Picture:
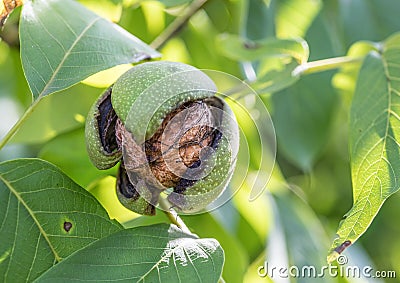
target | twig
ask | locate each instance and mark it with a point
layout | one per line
(173, 215)
(177, 24)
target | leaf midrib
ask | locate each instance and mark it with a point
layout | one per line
(381, 158)
(156, 264)
(66, 55)
(32, 214)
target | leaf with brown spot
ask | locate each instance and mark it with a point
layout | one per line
(155, 253)
(374, 141)
(44, 218)
(67, 226)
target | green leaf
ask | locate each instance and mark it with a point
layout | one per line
(208, 225)
(298, 236)
(273, 60)
(361, 20)
(12, 81)
(57, 114)
(236, 48)
(44, 218)
(258, 20)
(293, 17)
(62, 43)
(223, 15)
(200, 42)
(68, 152)
(158, 253)
(274, 74)
(303, 115)
(257, 23)
(374, 146)
(236, 258)
(346, 78)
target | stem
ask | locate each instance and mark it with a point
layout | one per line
(177, 24)
(18, 124)
(173, 215)
(325, 65)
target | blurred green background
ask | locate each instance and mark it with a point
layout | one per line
(293, 222)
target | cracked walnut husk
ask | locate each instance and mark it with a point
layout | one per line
(170, 132)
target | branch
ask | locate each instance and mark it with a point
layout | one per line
(177, 24)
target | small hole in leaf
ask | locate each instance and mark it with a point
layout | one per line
(67, 226)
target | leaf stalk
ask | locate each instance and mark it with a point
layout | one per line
(173, 215)
(18, 124)
(325, 65)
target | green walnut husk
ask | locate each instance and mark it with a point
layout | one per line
(98, 129)
(144, 95)
(170, 131)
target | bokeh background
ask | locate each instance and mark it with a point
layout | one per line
(294, 221)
